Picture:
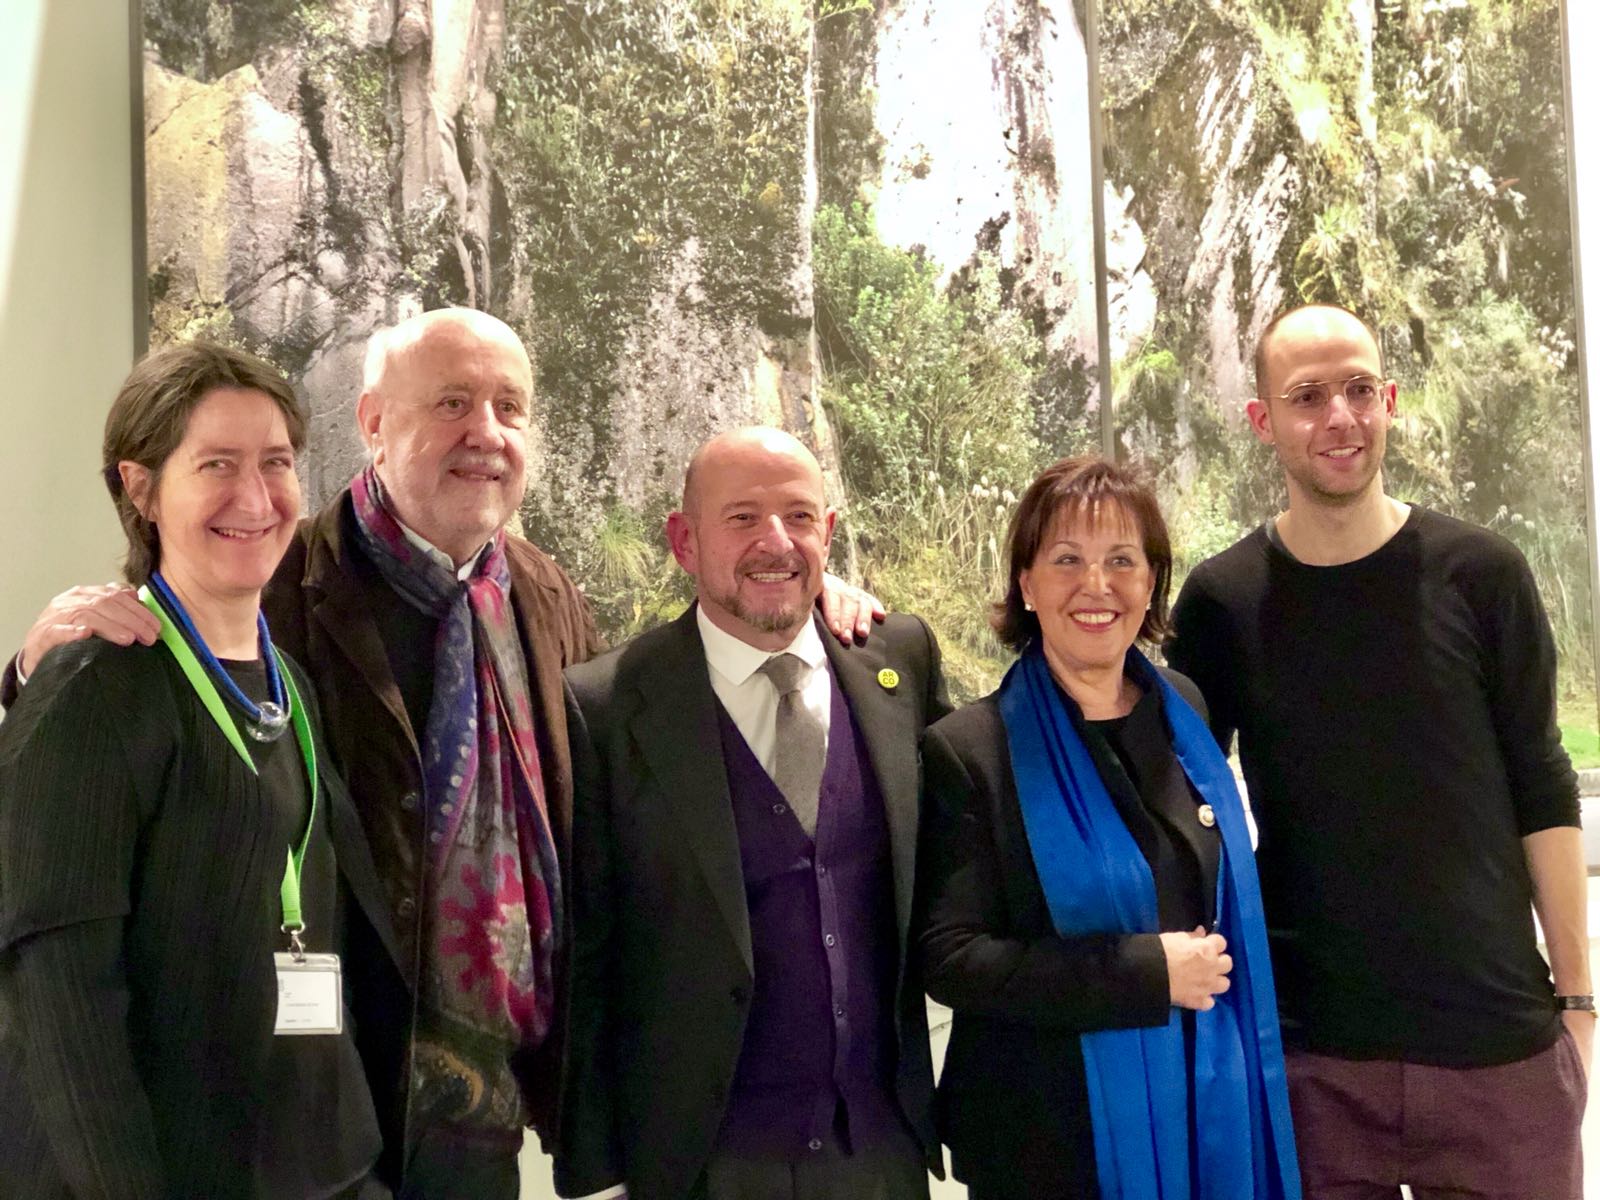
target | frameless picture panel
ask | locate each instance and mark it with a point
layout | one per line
(869, 224)
(1405, 158)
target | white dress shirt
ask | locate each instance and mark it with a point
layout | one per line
(751, 698)
(752, 701)
(462, 572)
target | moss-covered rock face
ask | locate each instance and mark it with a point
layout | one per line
(870, 222)
(1404, 159)
(982, 143)
(657, 169)
(630, 185)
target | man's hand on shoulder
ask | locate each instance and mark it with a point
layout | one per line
(848, 611)
(111, 611)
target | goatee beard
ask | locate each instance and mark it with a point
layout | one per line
(783, 620)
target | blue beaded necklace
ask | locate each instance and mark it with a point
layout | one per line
(265, 722)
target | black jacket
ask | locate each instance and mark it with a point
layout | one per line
(1013, 1100)
(661, 955)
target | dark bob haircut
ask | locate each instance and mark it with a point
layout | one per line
(1082, 489)
(151, 414)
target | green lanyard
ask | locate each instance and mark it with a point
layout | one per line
(289, 893)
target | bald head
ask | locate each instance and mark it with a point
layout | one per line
(388, 350)
(754, 532)
(1310, 323)
(750, 445)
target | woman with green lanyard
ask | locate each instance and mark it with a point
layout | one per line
(175, 852)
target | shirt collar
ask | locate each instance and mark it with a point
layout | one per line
(736, 661)
(462, 572)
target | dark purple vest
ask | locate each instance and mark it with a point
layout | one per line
(819, 1045)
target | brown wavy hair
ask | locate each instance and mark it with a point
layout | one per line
(151, 414)
(1076, 488)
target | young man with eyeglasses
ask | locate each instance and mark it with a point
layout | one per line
(1390, 673)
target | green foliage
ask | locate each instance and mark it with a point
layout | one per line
(930, 392)
(1486, 433)
(633, 134)
(1432, 196)
(628, 573)
(205, 39)
(1580, 741)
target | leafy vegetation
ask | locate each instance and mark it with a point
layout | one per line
(1433, 199)
(631, 131)
(1418, 149)
(929, 390)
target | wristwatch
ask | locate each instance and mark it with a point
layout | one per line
(1576, 1004)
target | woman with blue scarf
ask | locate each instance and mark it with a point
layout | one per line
(1090, 905)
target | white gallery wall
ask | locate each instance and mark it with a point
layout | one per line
(66, 297)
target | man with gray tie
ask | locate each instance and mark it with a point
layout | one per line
(743, 1024)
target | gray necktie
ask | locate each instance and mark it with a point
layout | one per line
(801, 744)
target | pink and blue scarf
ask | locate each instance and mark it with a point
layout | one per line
(492, 895)
(1096, 881)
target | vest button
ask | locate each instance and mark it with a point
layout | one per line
(410, 801)
(828, 939)
(779, 809)
(740, 996)
(406, 909)
(815, 1144)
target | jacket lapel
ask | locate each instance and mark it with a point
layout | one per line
(533, 602)
(341, 609)
(354, 856)
(887, 719)
(675, 728)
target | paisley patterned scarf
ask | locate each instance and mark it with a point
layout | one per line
(492, 893)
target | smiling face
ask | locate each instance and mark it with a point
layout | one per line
(446, 419)
(1090, 584)
(754, 533)
(226, 501)
(1333, 455)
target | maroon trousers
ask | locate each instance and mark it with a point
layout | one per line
(1507, 1132)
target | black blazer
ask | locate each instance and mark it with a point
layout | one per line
(1013, 1100)
(131, 833)
(662, 971)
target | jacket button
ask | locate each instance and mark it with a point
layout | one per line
(1207, 815)
(406, 909)
(410, 801)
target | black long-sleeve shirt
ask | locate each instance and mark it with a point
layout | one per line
(1396, 723)
(140, 863)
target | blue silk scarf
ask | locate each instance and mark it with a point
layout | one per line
(1096, 881)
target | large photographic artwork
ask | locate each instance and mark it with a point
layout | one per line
(872, 222)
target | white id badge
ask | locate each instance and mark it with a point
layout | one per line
(310, 995)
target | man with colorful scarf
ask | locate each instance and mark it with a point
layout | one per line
(436, 641)
(1391, 676)
(745, 1018)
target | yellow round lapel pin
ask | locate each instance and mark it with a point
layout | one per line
(889, 678)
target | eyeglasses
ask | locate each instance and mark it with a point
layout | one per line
(1361, 393)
